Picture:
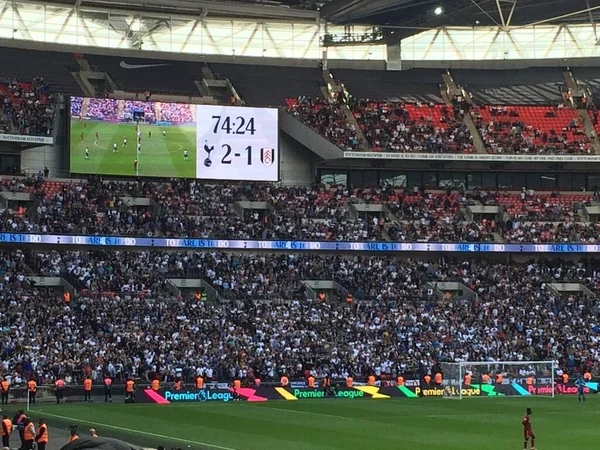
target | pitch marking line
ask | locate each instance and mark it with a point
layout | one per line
(129, 430)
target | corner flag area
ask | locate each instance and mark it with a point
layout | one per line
(161, 152)
(427, 423)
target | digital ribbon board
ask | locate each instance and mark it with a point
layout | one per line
(228, 244)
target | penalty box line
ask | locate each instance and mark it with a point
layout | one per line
(130, 430)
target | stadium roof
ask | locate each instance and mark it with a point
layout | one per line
(422, 14)
(276, 9)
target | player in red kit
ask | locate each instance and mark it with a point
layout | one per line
(527, 431)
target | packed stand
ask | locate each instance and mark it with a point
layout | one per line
(176, 112)
(326, 118)
(532, 129)
(27, 107)
(103, 109)
(188, 208)
(406, 328)
(405, 128)
(554, 207)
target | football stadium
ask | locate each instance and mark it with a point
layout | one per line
(299, 224)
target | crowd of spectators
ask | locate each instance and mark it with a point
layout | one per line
(103, 109)
(176, 112)
(189, 208)
(552, 232)
(401, 127)
(404, 328)
(530, 129)
(26, 107)
(326, 118)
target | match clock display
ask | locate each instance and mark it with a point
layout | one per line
(237, 143)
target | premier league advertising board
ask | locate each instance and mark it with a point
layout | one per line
(263, 394)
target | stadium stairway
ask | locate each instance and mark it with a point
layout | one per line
(451, 89)
(334, 88)
(576, 91)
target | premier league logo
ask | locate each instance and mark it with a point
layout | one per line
(207, 149)
(267, 156)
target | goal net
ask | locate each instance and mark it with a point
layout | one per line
(498, 378)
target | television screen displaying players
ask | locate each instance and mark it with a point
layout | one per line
(158, 139)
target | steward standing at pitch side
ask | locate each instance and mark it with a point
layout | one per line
(42, 435)
(5, 390)
(107, 389)
(6, 431)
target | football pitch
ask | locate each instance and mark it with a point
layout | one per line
(160, 156)
(432, 424)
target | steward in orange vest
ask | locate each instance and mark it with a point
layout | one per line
(42, 435)
(5, 390)
(199, 382)
(32, 390)
(6, 431)
(87, 390)
(311, 382)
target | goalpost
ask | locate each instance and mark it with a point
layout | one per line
(498, 379)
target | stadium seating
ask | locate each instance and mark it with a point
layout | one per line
(400, 127)
(188, 208)
(122, 296)
(532, 129)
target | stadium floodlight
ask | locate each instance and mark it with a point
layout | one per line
(438, 11)
(498, 379)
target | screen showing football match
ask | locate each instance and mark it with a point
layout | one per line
(158, 139)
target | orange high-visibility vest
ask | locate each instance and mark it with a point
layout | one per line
(237, 384)
(129, 386)
(29, 433)
(73, 438)
(485, 378)
(529, 380)
(44, 434)
(349, 382)
(311, 382)
(257, 382)
(87, 384)
(6, 424)
(468, 379)
(67, 297)
(587, 376)
(155, 385)
(32, 386)
(371, 380)
(438, 378)
(427, 379)
(5, 386)
(565, 378)
(284, 381)
(322, 296)
(499, 378)
(199, 382)
(399, 381)
(59, 384)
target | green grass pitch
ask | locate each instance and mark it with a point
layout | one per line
(160, 156)
(428, 424)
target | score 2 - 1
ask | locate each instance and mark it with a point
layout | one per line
(236, 125)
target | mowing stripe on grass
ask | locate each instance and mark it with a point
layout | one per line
(130, 430)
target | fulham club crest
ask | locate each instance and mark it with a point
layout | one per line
(267, 156)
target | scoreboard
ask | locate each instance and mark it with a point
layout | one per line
(237, 143)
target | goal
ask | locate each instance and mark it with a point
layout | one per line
(498, 379)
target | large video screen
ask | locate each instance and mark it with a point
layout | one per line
(157, 139)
